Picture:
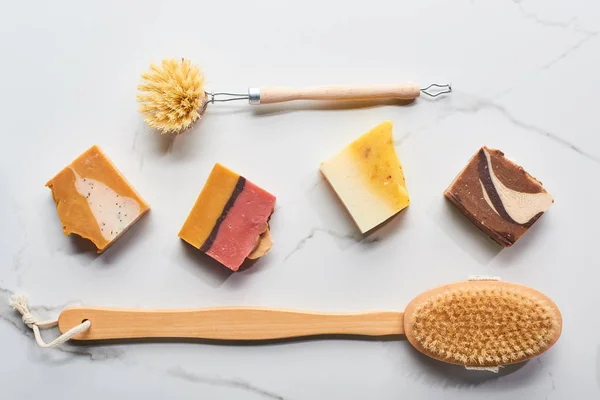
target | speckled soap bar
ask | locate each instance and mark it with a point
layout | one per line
(94, 200)
(498, 196)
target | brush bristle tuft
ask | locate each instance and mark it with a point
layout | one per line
(171, 95)
(486, 327)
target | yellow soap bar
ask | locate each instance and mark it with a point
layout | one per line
(368, 178)
(94, 200)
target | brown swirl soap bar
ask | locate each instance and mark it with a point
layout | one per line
(498, 196)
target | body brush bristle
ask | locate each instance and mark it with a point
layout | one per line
(171, 95)
(482, 324)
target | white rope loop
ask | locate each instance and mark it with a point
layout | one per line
(19, 303)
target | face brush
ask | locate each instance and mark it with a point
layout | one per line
(172, 95)
(477, 324)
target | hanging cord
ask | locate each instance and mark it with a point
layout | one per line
(19, 303)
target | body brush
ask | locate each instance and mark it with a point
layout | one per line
(172, 95)
(475, 323)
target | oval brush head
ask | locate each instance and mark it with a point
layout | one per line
(482, 323)
(171, 95)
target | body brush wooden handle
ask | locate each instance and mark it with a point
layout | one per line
(269, 95)
(476, 323)
(226, 323)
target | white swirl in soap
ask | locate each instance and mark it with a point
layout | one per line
(112, 212)
(521, 207)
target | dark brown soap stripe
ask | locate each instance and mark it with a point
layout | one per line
(239, 187)
(484, 170)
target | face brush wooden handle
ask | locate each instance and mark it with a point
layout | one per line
(407, 91)
(226, 323)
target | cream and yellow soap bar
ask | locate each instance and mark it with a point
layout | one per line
(368, 178)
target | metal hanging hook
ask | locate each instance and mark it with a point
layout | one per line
(444, 88)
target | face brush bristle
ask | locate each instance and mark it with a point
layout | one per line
(171, 95)
(483, 324)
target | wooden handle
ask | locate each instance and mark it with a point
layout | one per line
(407, 91)
(227, 323)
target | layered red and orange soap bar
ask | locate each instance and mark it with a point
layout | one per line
(94, 200)
(229, 220)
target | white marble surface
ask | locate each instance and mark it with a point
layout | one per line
(525, 76)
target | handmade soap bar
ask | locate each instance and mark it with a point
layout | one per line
(229, 221)
(498, 196)
(94, 200)
(368, 178)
